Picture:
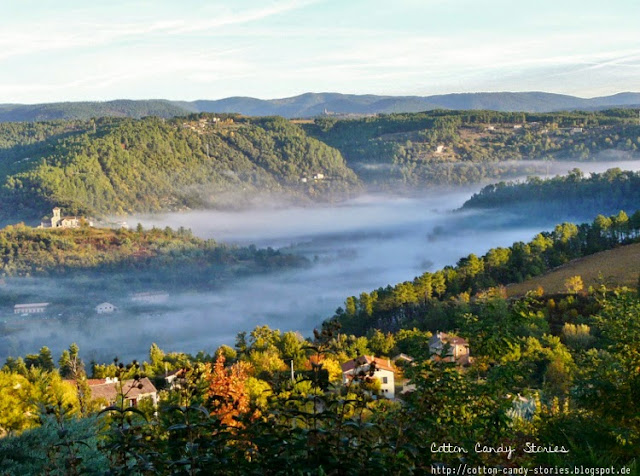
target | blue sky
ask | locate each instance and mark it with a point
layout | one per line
(70, 50)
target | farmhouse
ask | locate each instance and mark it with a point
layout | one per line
(107, 390)
(31, 308)
(384, 372)
(457, 348)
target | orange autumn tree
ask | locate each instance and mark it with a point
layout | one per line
(227, 397)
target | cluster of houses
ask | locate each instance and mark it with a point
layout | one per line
(201, 125)
(315, 177)
(442, 346)
(141, 298)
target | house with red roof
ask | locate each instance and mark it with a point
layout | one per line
(455, 349)
(107, 390)
(362, 366)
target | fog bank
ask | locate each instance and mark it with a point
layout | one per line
(355, 246)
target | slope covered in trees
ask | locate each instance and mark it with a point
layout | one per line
(123, 165)
(26, 251)
(459, 147)
(426, 301)
(89, 110)
(573, 194)
(117, 166)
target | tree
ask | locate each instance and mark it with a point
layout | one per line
(366, 304)
(227, 397)
(43, 360)
(71, 366)
(18, 410)
(227, 352)
(574, 284)
(291, 348)
(380, 343)
(350, 306)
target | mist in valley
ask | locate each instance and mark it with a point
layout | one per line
(355, 246)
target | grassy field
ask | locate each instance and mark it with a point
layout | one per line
(620, 266)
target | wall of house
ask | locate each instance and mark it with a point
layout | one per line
(387, 383)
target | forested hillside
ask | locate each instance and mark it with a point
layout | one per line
(89, 110)
(126, 259)
(573, 194)
(115, 166)
(432, 300)
(461, 147)
(119, 166)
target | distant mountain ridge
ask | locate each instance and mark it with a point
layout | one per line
(314, 104)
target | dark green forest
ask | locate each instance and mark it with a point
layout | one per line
(118, 166)
(571, 195)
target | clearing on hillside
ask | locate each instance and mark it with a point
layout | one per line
(617, 267)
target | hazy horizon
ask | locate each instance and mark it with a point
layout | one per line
(181, 99)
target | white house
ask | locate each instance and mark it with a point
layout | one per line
(31, 308)
(457, 348)
(361, 366)
(105, 308)
(318, 177)
(439, 149)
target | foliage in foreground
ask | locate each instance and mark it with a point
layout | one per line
(558, 373)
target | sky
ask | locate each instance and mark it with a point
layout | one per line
(67, 50)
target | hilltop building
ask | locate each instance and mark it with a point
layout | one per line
(59, 221)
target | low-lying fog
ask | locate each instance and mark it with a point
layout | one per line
(355, 246)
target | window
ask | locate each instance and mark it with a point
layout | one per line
(384, 379)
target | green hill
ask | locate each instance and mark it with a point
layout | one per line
(114, 166)
(461, 147)
(88, 110)
(571, 195)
